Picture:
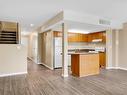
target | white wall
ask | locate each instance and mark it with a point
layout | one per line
(109, 48)
(112, 49)
(24, 41)
(123, 47)
(32, 46)
(46, 48)
(13, 59)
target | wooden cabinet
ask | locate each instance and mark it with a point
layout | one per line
(104, 37)
(89, 37)
(97, 35)
(73, 37)
(102, 59)
(84, 64)
(77, 37)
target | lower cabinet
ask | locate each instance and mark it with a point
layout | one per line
(84, 64)
(102, 59)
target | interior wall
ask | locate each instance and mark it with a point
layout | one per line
(13, 59)
(109, 49)
(114, 48)
(42, 48)
(24, 41)
(45, 44)
(112, 52)
(123, 47)
(32, 46)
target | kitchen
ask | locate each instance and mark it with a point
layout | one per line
(88, 45)
(81, 43)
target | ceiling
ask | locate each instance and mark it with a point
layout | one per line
(81, 27)
(77, 26)
(36, 12)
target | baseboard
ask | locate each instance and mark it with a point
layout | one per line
(47, 66)
(12, 74)
(32, 60)
(39, 63)
(122, 68)
(111, 67)
(116, 68)
(64, 76)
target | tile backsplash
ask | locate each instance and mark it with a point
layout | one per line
(80, 45)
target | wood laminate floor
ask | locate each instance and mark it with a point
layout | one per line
(42, 81)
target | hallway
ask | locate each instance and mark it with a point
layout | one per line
(42, 81)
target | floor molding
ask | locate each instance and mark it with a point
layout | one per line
(116, 68)
(12, 74)
(111, 67)
(47, 66)
(65, 75)
(32, 60)
(39, 63)
(122, 68)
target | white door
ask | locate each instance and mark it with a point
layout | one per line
(34, 48)
(58, 57)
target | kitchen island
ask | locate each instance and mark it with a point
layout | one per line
(84, 64)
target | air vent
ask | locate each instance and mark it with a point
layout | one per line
(104, 22)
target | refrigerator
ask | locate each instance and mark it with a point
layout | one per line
(58, 53)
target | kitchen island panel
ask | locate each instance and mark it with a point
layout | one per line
(85, 64)
(89, 64)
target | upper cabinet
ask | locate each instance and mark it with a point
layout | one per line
(73, 37)
(100, 36)
(78, 37)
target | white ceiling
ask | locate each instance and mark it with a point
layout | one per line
(85, 27)
(81, 27)
(38, 11)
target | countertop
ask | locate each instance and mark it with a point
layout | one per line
(82, 53)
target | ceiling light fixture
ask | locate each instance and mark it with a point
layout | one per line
(79, 31)
(31, 25)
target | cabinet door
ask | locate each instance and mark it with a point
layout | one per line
(76, 37)
(85, 38)
(93, 36)
(90, 38)
(104, 37)
(71, 37)
(102, 60)
(79, 39)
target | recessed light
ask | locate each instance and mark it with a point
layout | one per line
(31, 25)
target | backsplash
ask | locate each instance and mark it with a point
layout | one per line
(86, 45)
